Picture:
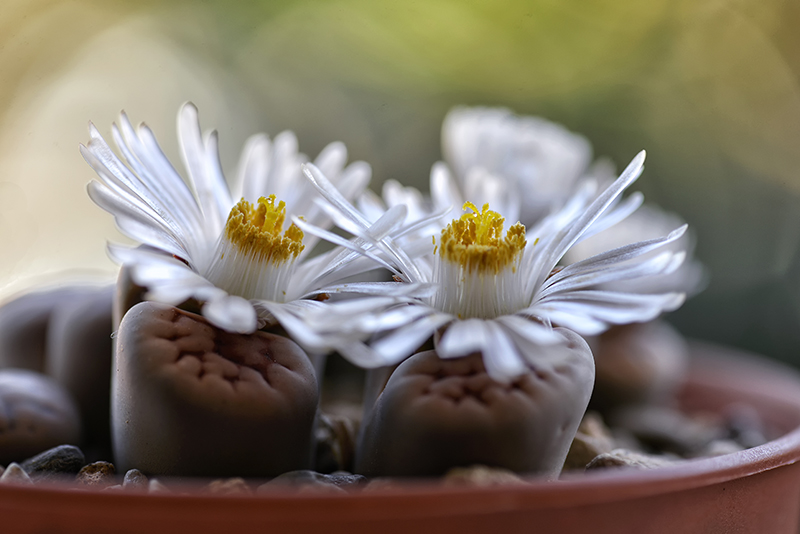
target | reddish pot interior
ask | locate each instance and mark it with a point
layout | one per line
(756, 490)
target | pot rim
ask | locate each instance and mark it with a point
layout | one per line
(713, 367)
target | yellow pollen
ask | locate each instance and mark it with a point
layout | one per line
(476, 241)
(256, 229)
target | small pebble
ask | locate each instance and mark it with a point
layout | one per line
(307, 480)
(380, 484)
(720, 447)
(626, 458)
(155, 486)
(228, 486)
(55, 463)
(115, 487)
(336, 442)
(480, 475)
(745, 425)
(667, 429)
(592, 439)
(97, 474)
(135, 479)
(14, 474)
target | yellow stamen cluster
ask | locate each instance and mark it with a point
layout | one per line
(256, 230)
(476, 241)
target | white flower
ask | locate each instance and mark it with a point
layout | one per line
(525, 167)
(539, 165)
(199, 242)
(498, 293)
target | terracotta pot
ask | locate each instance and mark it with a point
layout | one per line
(756, 490)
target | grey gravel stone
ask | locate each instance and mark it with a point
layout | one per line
(626, 458)
(592, 439)
(719, 447)
(667, 429)
(135, 479)
(14, 474)
(745, 425)
(228, 486)
(380, 484)
(55, 463)
(312, 481)
(480, 475)
(336, 442)
(155, 486)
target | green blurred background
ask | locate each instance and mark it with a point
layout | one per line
(710, 88)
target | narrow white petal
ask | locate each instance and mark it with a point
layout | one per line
(617, 255)
(212, 196)
(332, 158)
(152, 167)
(371, 205)
(135, 222)
(298, 327)
(403, 341)
(462, 338)
(555, 249)
(231, 313)
(342, 242)
(533, 331)
(253, 169)
(619, 213)
(581, 324)
(386, 289)
(662, 264)
(386, 245)
(361, 355)
(500, 356)
(444, 189)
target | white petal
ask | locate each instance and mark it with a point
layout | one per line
(526, 328)
(136, 222)
(254, 165)
(616, 215)
(462, 338)
(154, 170)
(342, 242)
(332, 158)
(298, 326)
(203, 165)
(555, 249)
(370, 205)
(362, 355)
(444, 189)
(662, 264)
(617, 255)
(231, 313)
(386, 289)
(500, 355)
(403, 341)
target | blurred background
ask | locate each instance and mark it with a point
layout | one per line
(710, 88)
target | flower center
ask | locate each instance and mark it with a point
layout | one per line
(476, 265)
(254, 256)
(256, 230)
(476, 242)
